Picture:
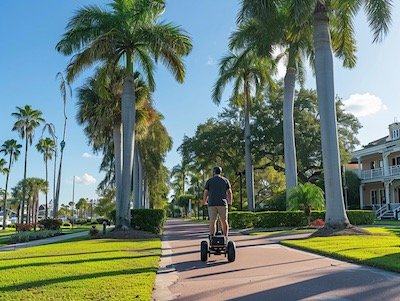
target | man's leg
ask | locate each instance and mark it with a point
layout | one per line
(223, 216)
(212, 213)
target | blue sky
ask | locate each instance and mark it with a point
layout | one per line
(29, 64)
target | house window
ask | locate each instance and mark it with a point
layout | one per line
(374, 197)
(372, 165)
(382, 198)
(396, 161)
(381, 163)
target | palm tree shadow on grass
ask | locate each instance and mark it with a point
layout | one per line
(41, 283)
(103, 259)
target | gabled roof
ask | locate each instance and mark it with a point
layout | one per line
(379, 141)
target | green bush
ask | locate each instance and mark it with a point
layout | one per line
(81, 221)
(242, 219)
(66, 225)
(51, 224)
(23, 227)
(151, 220)
(361, 217)
(33, 235)
(272, 219)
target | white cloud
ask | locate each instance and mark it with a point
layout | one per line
(86, 155)
(210, 61)
(362, 105)
(86, 179)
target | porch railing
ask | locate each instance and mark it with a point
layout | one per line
(372, 173)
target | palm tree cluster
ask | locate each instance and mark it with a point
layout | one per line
(26, 192)
(115, 105)
(296, 32)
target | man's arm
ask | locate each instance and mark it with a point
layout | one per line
(205, 197)
(229, 196)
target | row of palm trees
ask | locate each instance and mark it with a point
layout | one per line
(305, 31)
(27, 122)
(128, 34)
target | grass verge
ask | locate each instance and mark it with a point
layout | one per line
(97, 269)
(381, 249)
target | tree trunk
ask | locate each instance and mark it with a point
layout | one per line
(247, 148)
(54, 176)
(23, 186)
(288, 125)
(140, 181)
(118, 173)
(5, 194)
(128, 135)
(136, 186)
(335, 212)
(47, 180)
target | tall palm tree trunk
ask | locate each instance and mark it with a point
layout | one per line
(247, 151)
(140, 186)
(54, 174)
(136, 186)
(335, 212)
(117, 157)
(5, 194)
(288, 125)
(47, 180)
(56, 201)
(128, 131)
(23, 186)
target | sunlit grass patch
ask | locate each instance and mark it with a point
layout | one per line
(98, 269)
(381, 249)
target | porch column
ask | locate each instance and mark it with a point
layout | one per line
(387, 191)
(361, 189)
(385, 159)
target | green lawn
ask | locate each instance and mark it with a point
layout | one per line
(7, 231)
(98, 269)
(382, 249)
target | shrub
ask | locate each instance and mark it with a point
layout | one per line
(31, 235)
(242, 219)
(93, 231)
(81, 221)
(318, 223)
(151, 220)
(361, 217)
(100, 220)
(23, 227)
(273, 219)
(51, 224)
(11, 226)
(66, 225)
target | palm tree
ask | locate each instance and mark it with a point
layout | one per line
(9, 148)
(46, 146)
(3, 170)
(52, 132)
(27, 120)
(341, 12)
(129, 31)
(65, 90)
(306, 196)
(250, 74)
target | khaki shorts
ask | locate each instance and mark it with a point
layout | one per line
(214, 211)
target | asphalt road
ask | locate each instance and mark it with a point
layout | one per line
(263, 270)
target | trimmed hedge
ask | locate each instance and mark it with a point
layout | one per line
(272, 219)
(151, 220)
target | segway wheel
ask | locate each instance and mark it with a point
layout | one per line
(231, 250)
(204, 250)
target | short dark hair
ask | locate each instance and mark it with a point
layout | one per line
(217, 170)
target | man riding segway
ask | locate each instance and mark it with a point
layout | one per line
(218, 195)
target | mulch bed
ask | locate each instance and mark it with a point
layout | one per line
(351, 230)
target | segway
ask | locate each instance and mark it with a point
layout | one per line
(218, 244)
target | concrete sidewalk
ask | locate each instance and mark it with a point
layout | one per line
(263, 270)
(42, 241)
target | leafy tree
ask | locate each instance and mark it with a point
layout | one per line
(9, 148)
(306, 197)
(128, 31)
(27, 120)
(106, 204)
(248, 72)
(46, 146)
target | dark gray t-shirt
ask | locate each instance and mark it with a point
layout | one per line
(217, 187)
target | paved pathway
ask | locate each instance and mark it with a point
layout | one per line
(263, 270)
(42, 241)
